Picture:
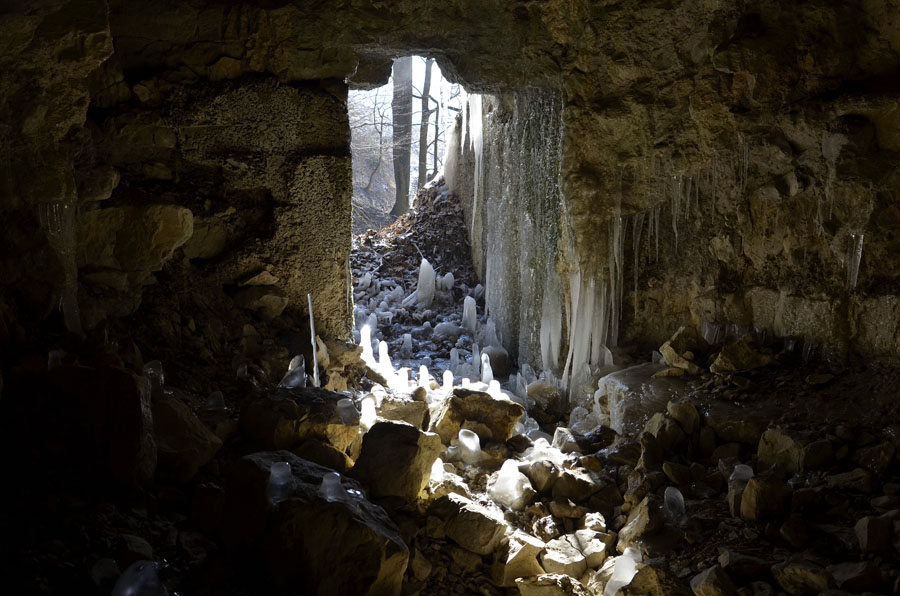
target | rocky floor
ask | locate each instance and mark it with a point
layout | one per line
(765, 473)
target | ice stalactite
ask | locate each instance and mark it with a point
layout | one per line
(637, 225)
(551, 324)
(854, 256)
(58, 223)
(476, 130)
(515, 214)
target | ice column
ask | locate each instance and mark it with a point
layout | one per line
(854, 257)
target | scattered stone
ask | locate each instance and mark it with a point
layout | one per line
(791, 453)
(551, 585)
(184, 444)
(546, 528)
(562, 556)
(732, 425)
(496, 418)
(306, 543)
(396, 460)
(873, 533)
(713, 582)
(593, 546)
(857, 480)
(763, 498)
(404, 410)
(594, 521)
(802, 578)
(542, 474)
(739, 355)
(288, 417)
(324, 454)
(646, 518)
(133, 548)
(677, 351)
(519, 558)
(877, 458)
(419, 566)
(564, 440)
(686, 414)
(577, 485)
(742, 565)
(652, 580)
(863, 576)
(469, 524)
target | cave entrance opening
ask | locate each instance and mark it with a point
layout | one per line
(399, 133)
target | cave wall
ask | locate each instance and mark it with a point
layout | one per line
(762, 135)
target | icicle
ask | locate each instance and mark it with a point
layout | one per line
(476, 134)
(312, 332)
(854, 256)
(636, 225)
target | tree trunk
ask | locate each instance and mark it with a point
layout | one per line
(423, 127)
(401, 107)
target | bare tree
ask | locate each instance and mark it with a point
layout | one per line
(401, 106)
(423, 125)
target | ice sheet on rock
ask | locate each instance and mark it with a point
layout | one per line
(542, 450)
(582, 420)
(627, 398)
(153, 371)
(294, 379)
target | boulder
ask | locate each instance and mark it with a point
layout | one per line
(678, 352)
(519, 558)
(576, 484)
(100, 416)
(686, 414)
(305, 543)
(653, 580)
(542, 474)
(713, 582)
(739, 355)
(266, 301)
(470, 525)
(284, 418)
(406, 410)
(791, 452)
(873, 534)
(551, 584)
(877, 458)
(396, 460)
(492, 419)
(643, 520)
(733, 425)
(184, 443)
(862, 576)
(802, 578)
(564, 557)
(763, 498)
(324, 454)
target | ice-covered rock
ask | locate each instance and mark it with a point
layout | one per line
(279, 481)
(140, 579)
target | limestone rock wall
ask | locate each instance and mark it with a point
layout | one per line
(760, 139)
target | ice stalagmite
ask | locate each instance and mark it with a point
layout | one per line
(487, 374)
(365, 341)
(469, 315)
(425, 289)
